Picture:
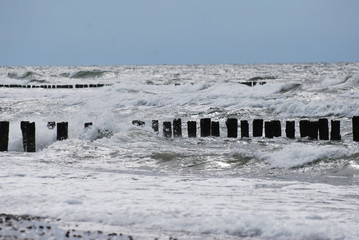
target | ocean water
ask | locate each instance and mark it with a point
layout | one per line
(127, 178)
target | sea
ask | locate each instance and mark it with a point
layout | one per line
(116, 177)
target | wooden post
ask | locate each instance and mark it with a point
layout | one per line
(155, 126)
(335, 133)
(87, 125)
(138, 122)
(277, 128)
(244, 129)
(290, 129)
(62, 131)
(28, 136)
(205, 124)
(192, 129)
(257, 127)
(304, 128)
(323, 129)
(268, 129)
(4, 136)
(177, 128)
(215, 129)
(355, 122)
(313, 130)
(232, 127)
(167, 129)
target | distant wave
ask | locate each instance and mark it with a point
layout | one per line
(85, 74)
(26, 75)
(262, 78)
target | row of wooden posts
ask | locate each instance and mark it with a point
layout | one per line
(311, 129)
(54, 86)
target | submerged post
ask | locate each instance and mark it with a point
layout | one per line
(205, 124)
(177, 127)
(62, 131)
(167, 129)
(232, 127)
(335, 133)
(355, 122)
(290, 129)
(244, 129)
(192, 129)
(215, 129)
(88, 125)
(257, 127)
(323, 129)
(4, 136)
(155, 126)
(28, 136)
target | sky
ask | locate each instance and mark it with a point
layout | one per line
(138, 32)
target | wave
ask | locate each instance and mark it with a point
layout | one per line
(26, 75)
(85, 74)
(257, 78)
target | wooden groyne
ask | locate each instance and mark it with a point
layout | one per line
(313, 130)
(52, 86)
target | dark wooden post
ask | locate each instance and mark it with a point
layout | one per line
(62, 131)
(277, 128)
(205, 124)
(313, 130)
(355, 122)
(257, 127)
(215, 129)
(4, 136)
(304, 128)
(192, 129)
(323, 129)
(244, 129)
(290, 129)
(155, 126)
(28, 136)
(232, 127)
(335, 133)
(268, 129)
(177, 127)
(51, 125)
(87, 125)
(138, 123)
(167, 129)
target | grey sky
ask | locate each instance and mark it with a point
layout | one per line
(114, 32)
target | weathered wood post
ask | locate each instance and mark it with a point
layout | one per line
(268, 129)
(335, 132)
(138, 123)
(28, 136)
(304, 128)
(323, 129)
(177, 128)
(205, 124)
(215, 129)
(192, 129)
(167, 129)
(244, 129)
(4, 136)
(355, 123)
(62, 131)
(155, 126)
(232, 127)
(290, 129)
(257, 127)
(313, 130)
(51, 125)
(277, 128)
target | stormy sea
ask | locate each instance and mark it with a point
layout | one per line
(119, 178)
